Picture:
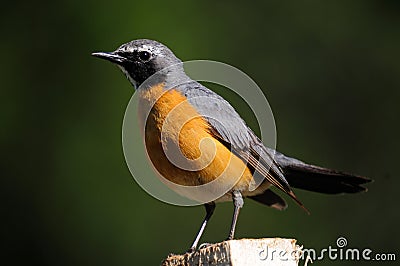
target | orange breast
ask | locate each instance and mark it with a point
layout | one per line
(180, 145)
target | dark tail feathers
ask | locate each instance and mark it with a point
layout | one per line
(323, 180)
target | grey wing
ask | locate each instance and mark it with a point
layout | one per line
(219, 114)
(232, 131)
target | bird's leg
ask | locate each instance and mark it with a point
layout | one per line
(209, 211)
(238, 203)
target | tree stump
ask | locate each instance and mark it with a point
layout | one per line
(243, 252)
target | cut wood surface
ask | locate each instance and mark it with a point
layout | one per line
(243, 252)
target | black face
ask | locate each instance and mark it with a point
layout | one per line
(140, 59)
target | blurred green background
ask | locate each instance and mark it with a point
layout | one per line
(331, 73)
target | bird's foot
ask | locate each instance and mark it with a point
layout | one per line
(205, 245)
(194, 249)
(191, 250)
(229, 238)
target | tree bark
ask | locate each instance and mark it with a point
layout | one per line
(243, 252)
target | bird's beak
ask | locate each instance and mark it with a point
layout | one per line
(111, 56)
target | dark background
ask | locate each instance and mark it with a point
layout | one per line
(331, 73)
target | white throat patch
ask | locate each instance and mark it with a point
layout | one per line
(131, 80)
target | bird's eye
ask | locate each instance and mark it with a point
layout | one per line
(144, 56)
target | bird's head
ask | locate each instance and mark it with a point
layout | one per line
(140, 59)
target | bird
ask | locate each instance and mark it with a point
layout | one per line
(232, 145)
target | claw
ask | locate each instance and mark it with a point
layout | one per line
(191, 250)
(204, 245)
